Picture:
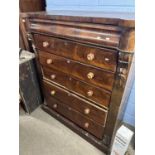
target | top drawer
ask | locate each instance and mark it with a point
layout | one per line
(104, 58)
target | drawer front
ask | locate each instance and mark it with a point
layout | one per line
(100, 96)
(104, 58)
(86, 73)
(102, 37)
(84, 107)
(74, 116)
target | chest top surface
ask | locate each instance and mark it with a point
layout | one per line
(108, 29)
(112, 18)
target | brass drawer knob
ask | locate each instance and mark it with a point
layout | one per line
(87, 111)
(90, 56)
(53, 92)
(90, 93)
(49, 61)
(107, 59)
(86, 125)
(55, 106)
(53, 76)
(45, 44)
(90, 75)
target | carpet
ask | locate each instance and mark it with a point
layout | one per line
(41, 134)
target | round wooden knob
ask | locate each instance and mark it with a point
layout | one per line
(53, 76)
(106, 59)
(49, 61)
(86, 125)
(23, 20)
(90, 56)
(45, 44)
(69, 94)
(68, 61)
(107, 38)
(90, 75)
(53, 92)
(90, 93)
(87, 111)
(55, 106)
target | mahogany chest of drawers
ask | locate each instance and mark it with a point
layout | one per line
(84, 61)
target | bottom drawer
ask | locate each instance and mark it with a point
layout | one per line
(75, 117)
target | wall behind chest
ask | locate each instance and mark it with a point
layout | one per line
(91, 5)
(129, 116)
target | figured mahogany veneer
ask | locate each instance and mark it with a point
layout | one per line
(100, 96)
(104, 58)
(84, 60)
(86, 108)
(87, 35)
(87, 73)
(76, 117)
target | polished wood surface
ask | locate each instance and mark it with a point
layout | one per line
(32, 5)
(88, 35)
(21, 40)
(76, 117)
(86, 108)
(27, 6)
(110, 18)
(85, 58)
(77, 129)
(108, 29)
(104, 58)
(24, 44)
(100, 96)
(87, 73)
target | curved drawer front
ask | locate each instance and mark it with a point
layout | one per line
(103, 58)
(84, 107)
(87, 73)
(102, 37)
(100, 96)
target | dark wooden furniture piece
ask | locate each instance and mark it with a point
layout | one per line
(29, 88)
(85, 59)
(28, 6)
(32, 5)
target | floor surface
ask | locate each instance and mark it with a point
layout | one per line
(41, 134)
